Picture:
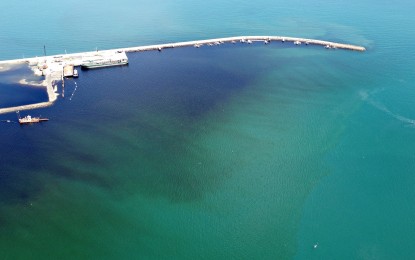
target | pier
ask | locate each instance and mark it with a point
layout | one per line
(246, 39)
(56, 67)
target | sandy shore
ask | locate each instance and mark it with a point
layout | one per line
(8, 66)
(32, 83)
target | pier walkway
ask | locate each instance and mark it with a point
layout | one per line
(247, 39)
(52, 67)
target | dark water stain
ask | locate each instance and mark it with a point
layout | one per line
(132, 129)
(148, 158)
(18, 185)
(25, 154)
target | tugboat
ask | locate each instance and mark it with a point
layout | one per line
(29, 120)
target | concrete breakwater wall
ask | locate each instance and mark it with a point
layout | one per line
(52, 66)
(246, 39)
(76, 58)
(25, 107)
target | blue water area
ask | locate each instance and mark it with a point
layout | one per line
(16, 95)
(237, 151)
(12, 93)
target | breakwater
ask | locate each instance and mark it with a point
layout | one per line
(52, 67)
(248, 39)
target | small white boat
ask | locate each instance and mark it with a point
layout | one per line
(297, 43)
(75, 73)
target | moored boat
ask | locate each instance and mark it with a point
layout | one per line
(105, 60)
(103, 63)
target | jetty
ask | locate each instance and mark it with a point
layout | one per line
(246, 39)
(55, 68)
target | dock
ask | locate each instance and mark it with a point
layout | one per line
(68, 70)
(54, 68)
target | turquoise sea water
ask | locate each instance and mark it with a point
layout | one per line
(225, 152)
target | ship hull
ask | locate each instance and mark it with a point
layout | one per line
(24, 121)
(95, 65)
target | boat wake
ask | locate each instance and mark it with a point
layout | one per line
(8, 121)
(365, 96)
